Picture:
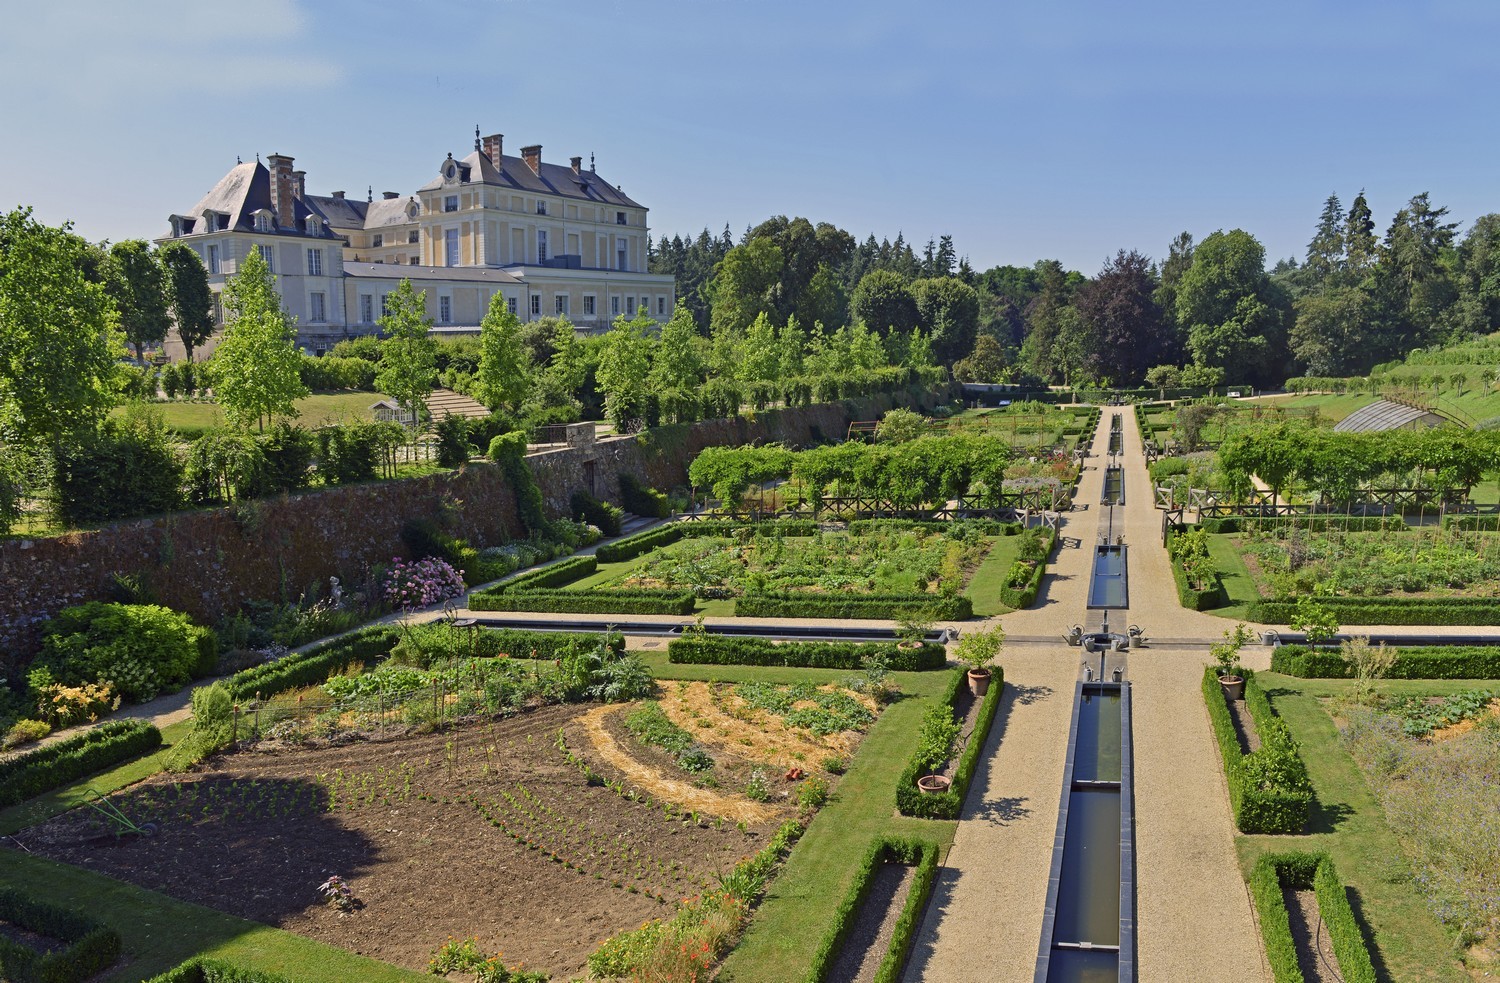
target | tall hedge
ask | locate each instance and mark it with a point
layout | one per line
(728, 650)
(55, 765)
(90, 946)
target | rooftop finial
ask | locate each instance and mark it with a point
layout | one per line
(257, 158)
(237, 159)
(370, 193)
(591, 161)
(476, 136)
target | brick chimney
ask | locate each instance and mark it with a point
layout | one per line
(493, 147)
(299, 183)
(338, 195)
(388, 195)
(533, 157)
(577, 164)
(282, 190)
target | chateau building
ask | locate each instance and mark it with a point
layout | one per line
(551, 239)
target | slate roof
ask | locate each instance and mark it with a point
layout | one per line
(553, 179)
(1385, 415)
(245, 190)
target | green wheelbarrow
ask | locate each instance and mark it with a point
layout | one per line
(122, 823)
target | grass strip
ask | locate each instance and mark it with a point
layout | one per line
(1348, 823)
(60, 800)
(802, 904)
(160, 932)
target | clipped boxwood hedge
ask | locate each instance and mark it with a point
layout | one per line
(1387, 610)
(1417, 662)
(200, 970)
(91, 947)
(1300, 871)
(873, 606)
(1269, 791)
(313, 666)
(55, 765)
(728, 650)
(1472, 523)
(912, 801)
(1212, 597)
(1024, 578)
(620, 600)
(1309, 523)
(923, 855)
(552, 575)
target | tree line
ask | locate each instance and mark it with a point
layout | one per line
(1206, 312)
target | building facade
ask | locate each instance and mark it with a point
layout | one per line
(553, 240)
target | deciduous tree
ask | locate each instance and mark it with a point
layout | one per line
(408, 352)
(257, 368)
(136, 283)
(504, 376)
(191, 300)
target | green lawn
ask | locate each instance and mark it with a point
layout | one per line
(314, 410)
(800, 905)
(59, 801)
(159, 932)
(1236, 576)
(1409, 944)
(984, 586)
(1332, 407)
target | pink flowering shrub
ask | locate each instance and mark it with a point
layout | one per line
(421, 583)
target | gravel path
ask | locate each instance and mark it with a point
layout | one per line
(870, 936)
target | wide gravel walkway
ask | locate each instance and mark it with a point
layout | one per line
(985, 919)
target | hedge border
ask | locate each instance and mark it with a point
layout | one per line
(312, 666)
(617, 601)
(54, 765)
(1415, 662)
(1312, 523)
(884, 607)
(1025, 595)
(1195, 600)
(92, 946)
(1300, 871)
(201, 970)
(726, 650)
(910, 800)
(1386, 610)
(923, 855)
(1274, 811)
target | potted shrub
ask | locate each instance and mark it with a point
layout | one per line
(974, 651)
(935, 746)
(912, 630)
(1226, 656)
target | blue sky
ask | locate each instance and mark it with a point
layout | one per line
(1025, 130)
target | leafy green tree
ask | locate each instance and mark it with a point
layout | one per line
(1236, 316)
(408, 352)
(883, 300)
(138, 287)
(825, 300)
(1479, 276)
(1333, 333)
(677, 369)
(1416, 256)
(1043, 315)
(1179, 260)
(745, 284)
(791, 349)
(624, 364)
(59, 341)
(190, 299)
(949, 309)
(986, 363)
(504, 375)
(805, 250)
(257, 369)
(758, 359)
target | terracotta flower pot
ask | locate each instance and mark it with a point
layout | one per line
(979, 681)
(1234, 687)
(934, 784)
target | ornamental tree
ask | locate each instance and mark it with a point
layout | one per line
(257, 369)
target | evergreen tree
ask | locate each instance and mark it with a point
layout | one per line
(1325, 253)
(1359, 235)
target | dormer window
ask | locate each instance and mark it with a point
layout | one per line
(412, 208)
(263, 221)
(176, 226)
(314, 227)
